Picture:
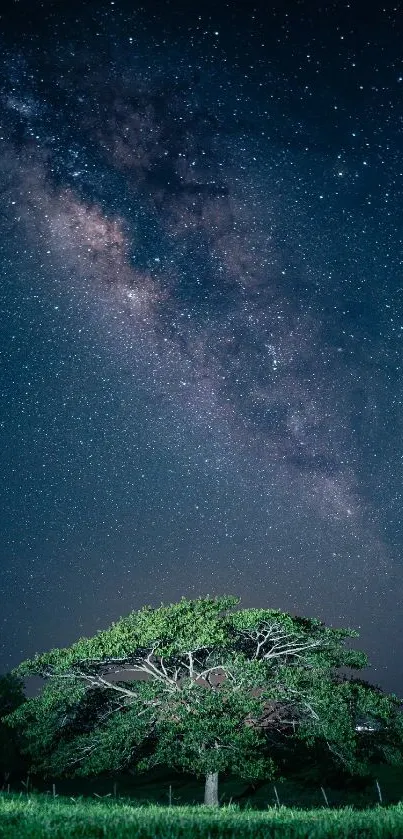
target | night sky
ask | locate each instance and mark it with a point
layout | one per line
(201, 314)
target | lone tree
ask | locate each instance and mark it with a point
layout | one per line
(202, 686)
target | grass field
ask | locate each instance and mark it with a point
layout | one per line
(37, 816)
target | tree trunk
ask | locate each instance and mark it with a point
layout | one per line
(211, 789)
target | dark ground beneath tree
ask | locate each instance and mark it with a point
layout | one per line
(161, 785)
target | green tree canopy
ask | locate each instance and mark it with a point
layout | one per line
(203, 686)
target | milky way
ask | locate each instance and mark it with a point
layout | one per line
(234, 255)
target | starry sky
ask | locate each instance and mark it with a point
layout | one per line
(201, 312)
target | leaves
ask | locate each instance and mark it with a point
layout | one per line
(218, 687)
(167, 631)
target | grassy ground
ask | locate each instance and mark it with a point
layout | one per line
(38, 816)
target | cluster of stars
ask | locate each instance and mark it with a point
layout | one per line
(202, 272)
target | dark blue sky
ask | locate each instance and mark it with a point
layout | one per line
(201, 309)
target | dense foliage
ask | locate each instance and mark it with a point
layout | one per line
(11, 697)
(206, 687)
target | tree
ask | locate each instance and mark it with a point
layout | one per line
(11, 697)
(201, 686)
